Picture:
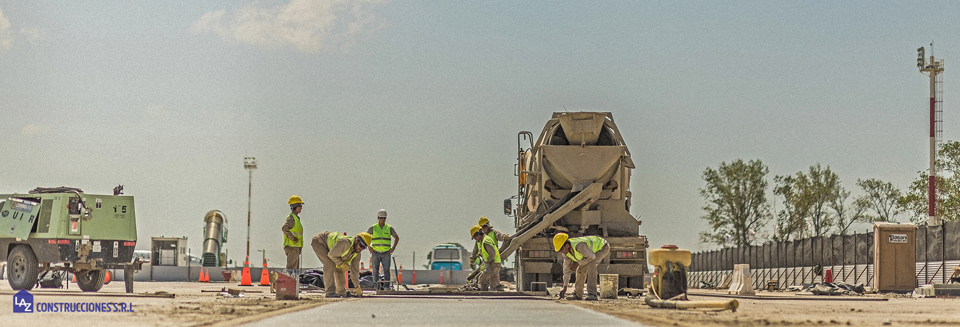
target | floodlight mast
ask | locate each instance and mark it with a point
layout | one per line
(250, 164)
(933, 68)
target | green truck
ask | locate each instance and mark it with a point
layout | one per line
(49, 231)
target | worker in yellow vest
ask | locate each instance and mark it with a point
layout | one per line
(380, 249)
(582, 254)
(484, 223)
(293, 233)
(340, 253)
(490, 254)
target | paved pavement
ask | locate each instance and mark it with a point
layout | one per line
(444, 312)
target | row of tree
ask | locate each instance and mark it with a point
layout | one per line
(814, 202)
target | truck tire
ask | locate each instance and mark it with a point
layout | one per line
(90, 280)
(23, 268)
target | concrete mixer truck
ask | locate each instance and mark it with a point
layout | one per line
(575, 178)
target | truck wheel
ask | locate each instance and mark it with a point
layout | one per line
(90, 280)
(23, 268)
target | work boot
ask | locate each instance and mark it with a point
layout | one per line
(484, 288)
(350, 294)
(574, 297)
(591, 297)
(333, 296)
(499, 288)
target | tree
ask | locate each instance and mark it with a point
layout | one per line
(736, 201)
(807, 198)
(791, 221)
(847, 215)
(824, 188)
(881, 198)
(914, 201)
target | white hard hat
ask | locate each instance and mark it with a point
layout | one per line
(382, 213)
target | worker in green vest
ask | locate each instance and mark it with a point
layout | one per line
(380, 249)
(293, 233)
(582, 254)
(340, 253)
(490, 254)
(484, 223)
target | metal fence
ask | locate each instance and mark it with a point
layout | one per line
(848, 257)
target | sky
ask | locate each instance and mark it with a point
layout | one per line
(415, 106)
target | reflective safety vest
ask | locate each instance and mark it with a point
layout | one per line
(493, 235)
(297, 231)
(381, 237)
(594, 242)
(335, 237)
(489, 240)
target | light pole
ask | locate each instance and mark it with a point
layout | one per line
(250, 164)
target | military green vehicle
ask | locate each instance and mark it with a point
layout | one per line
(49, 231)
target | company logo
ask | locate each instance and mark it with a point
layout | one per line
(897, 238)
(23, 302)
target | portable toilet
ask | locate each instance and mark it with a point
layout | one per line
(894, 257)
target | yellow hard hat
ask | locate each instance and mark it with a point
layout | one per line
(295, 200)
(558, 241)
(366, 238)
(483, 221)
(474, 230)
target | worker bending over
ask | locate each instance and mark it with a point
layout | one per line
(484, 223)
(293, 233)
(380, 249)
(340, 253)
(582, 254)
(490, 254)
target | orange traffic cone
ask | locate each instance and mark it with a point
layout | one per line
(74, 278)
(200, 280)
(206, 276)
(245, 279)
(265, 275)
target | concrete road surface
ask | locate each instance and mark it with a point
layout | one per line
(444, 312)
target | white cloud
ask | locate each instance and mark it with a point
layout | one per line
(6, 36)
(34, 129)
(307, 25)
(33, 35)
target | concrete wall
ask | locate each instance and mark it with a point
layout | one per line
(180, 274)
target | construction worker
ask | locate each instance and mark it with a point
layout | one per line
(582, 254)
(380, 249)
(340, 253)
(293, 233)
(484, 223)
(490, 254)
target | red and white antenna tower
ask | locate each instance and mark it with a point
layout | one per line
(933, 68)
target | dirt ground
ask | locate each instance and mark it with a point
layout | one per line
(898, 310)
(191, 306)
